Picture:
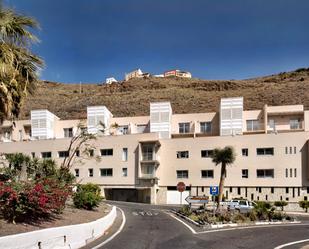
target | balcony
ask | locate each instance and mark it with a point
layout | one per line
(148, 171)
(278, 126)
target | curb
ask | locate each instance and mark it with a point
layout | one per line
(216, 226)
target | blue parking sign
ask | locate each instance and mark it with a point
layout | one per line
(214, 190)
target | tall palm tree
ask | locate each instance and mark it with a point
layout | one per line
(18, 65)
(224, 157)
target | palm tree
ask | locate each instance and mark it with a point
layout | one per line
(224, 157)
(18, 65)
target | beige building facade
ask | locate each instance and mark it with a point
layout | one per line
(143, 158)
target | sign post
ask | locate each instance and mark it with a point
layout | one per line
(214, 191)
(181, 186)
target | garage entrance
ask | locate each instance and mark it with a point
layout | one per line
(129, 195)
(173, 196)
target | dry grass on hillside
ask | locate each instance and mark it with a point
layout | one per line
(186, 95)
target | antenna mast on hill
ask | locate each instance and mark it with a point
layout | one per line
(80, 87)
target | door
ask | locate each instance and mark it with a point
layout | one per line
(173, 197)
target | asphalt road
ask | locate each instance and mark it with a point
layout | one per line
(150, 226)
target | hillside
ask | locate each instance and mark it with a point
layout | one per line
(186, 95)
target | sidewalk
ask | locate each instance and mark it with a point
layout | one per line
(297, 213)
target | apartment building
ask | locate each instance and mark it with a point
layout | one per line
(143, 158)
(177, 73)
(137, 73)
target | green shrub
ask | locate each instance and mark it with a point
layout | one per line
(194, 217)
(263, 210)
(224, 217)
(278, 216)
(87, 196)
(238, 217)
(185, 210)
(252, 215)
(280, 204)
(304, 205)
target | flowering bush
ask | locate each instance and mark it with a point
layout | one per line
(19, 200)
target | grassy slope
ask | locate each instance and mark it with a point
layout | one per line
(186, 95)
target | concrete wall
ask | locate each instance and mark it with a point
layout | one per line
(74, 236)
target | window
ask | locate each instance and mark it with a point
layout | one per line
(147, 152)
(124, 154)
(46, 154)
(231, 189)
(286, 173)
(291, 150)
(252, 125)
(182, 173)
(68, 132)
(125, 172)
(295, 171)
(77, 153)
(20, 135)
(294, 124)
(265, 173)
(182, 154)
(106, 152)
(141, 128)
(286, 190)
(206, 153)
(272, 190)
(91, 152)
(260, 189)
(244, 173)
(291, 172)
(205, 127)
(184, 127)
(123, 129)
(62, 154)
(33, 154)
(244, 152)
(294, 149)
(76, 172)
(90, 172)
(148, 170)
(264, 151)
(207, 173)
(239, 193)
(286, 150)
(272, 124)
(106, 172)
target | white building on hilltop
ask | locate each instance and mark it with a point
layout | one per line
(110, 80)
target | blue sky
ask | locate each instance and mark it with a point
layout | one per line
(89, 40)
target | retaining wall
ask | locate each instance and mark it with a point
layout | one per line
(71, 237)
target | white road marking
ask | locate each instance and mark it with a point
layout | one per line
(145, 213)
(116, 233)
(189, 227)
(291, 243)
